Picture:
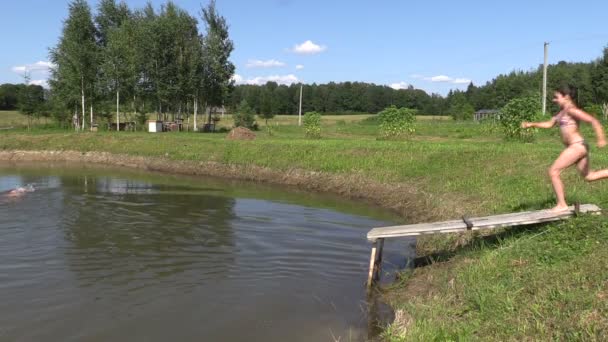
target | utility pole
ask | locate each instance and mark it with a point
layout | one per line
(545, 79)
(300, 111)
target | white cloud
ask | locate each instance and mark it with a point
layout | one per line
(271, 63)
(399, 85)
(40, 70)
(461, 81)
(260, 80)
(299, 67)
(43, 83)
(238, 79)
(19, 69)
(42, 66)
(308, 48)
(442, 79)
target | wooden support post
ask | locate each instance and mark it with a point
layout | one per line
(375, 262)
(378, 267)
(372, 265)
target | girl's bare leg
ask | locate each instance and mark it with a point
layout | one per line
(591, 176)
(567, 158)
(583, 166)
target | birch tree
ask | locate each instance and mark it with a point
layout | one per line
(115, 37)
(217, 69)
(75, 56)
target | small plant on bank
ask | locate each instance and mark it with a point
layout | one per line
(396, 122)
(312, 125)
(244, 116)
(517, 111)
(267, 115)
(489, 125)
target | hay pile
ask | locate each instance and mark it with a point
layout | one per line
(241, 133)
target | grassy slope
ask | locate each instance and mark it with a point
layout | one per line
(17, 120)
(535, 283)
(544, 282)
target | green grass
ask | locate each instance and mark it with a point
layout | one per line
(15, 120)
(536, 283)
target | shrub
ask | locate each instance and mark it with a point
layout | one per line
(462, 111)
(312, 125)
(489, 125)
(244, 117)
(267, 115)
(396, 122)
(517, 111)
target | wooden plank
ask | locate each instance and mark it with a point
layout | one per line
(488, 222)
(416, 229)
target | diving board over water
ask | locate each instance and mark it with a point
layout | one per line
(377, 235)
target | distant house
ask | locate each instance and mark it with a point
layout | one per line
(484, 114)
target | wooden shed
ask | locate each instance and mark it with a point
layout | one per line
(484, 114)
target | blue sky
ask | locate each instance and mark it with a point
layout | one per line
(432, 45)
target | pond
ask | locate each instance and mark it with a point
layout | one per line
(116, 255)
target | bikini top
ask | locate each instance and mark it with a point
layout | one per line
(564, 119)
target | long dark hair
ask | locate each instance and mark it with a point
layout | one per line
(569, 90)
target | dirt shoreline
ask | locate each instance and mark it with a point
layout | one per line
(404, 199)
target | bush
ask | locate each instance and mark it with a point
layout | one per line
(244, 117)
(141, 119)
(312, 125)
(396, 122)
(489, 125)
(462, 111)
(517, 111)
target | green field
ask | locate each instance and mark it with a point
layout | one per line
(536, 283)
(13, 119)
(16, 120)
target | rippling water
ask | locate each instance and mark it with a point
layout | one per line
(100, 255)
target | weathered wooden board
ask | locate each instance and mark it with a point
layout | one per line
(488, 222)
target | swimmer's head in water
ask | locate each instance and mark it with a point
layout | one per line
(21, 190)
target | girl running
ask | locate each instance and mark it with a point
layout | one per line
(577, 150)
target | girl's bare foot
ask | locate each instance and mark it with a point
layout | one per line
(559, 208)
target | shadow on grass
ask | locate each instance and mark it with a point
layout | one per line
(534, 205)
(489, 240)
(480, 241)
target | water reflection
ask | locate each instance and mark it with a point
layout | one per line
(136, 231)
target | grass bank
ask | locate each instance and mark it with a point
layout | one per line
(543, 282)
(15, 120)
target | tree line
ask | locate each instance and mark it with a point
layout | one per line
(590, 80)
(21, 96)
(146, 59)
(334, 98)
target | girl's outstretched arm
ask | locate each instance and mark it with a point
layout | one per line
(597, 125)
(544, 124)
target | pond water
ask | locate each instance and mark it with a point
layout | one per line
(98, 254)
